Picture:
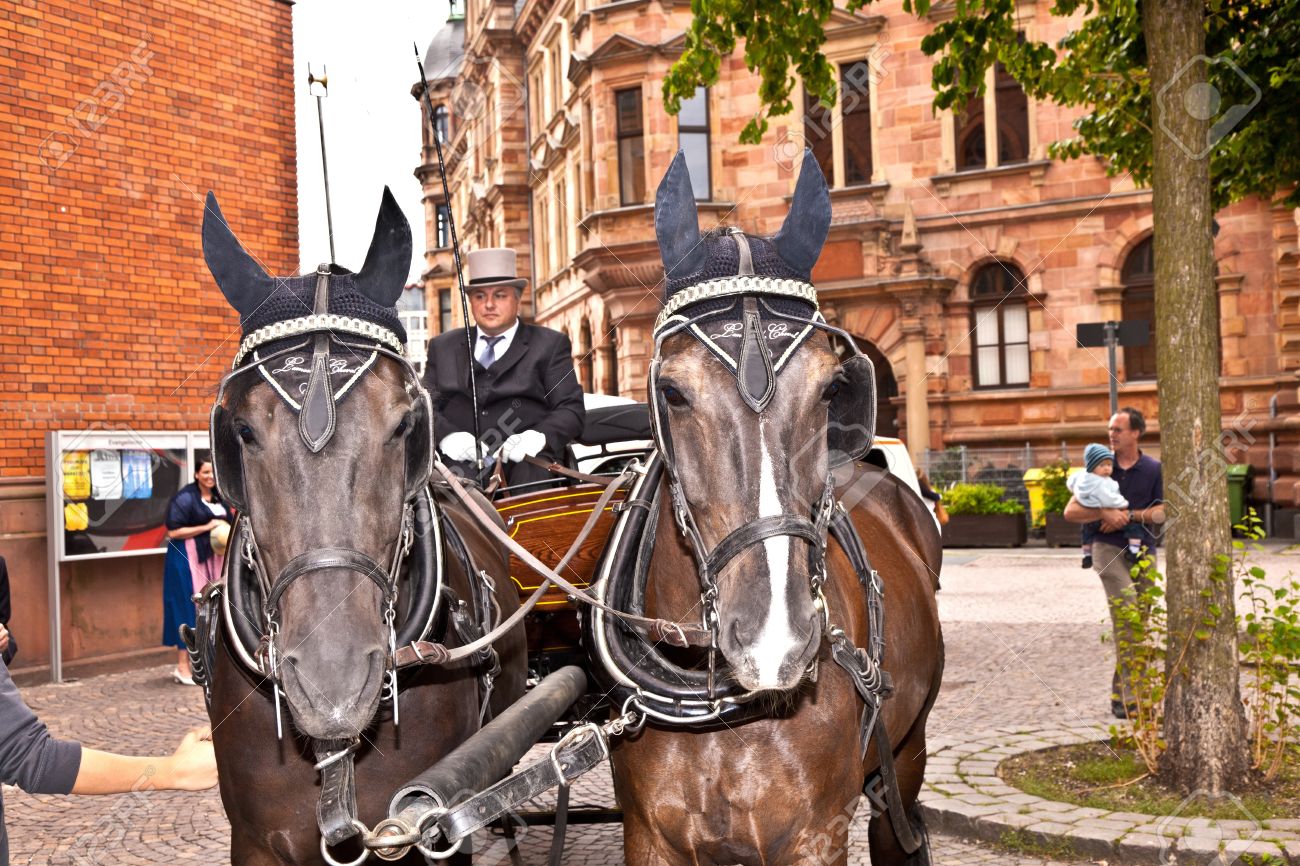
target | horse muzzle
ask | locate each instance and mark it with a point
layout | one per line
(332, 700)
(770, 658)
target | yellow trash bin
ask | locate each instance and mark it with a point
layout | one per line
(1034, 486)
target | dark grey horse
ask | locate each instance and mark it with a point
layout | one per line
(329, 468)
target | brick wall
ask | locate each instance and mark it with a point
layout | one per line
(117, 119)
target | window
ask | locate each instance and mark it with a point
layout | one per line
(561, 234)
(443, 227)
(588, 161)
(631, 147)
(557, 78)
(585, 366)
(970, 136)
(1000, 326)
(817, 126)
(1012, 107)
(1011, 119)
(853, 131)
(441, 123)
(444, 310)
(1139, 302)
(855, 110)
(611, 361)
(693, 139)
(535, 97)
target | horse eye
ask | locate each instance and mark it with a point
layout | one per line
(245, 433)
(673, 396)
(833, 389)
(402, 426)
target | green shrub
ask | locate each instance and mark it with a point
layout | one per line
(979, 499)
(1056, 495)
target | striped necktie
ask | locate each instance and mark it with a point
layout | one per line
(489, 353)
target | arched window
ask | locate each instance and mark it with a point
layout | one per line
(1139, 302)
(1000, 327)
(441, 123)
(970, 136)
(1011, 119)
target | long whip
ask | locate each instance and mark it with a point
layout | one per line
(324, 81)
(455, 254)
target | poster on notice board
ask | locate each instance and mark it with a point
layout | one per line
(115, 488)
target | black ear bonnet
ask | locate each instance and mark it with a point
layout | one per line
(313, 337)
(751, 302)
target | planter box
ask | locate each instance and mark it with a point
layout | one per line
(1063, 533)
(984, 530)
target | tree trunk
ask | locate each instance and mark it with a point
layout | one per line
(1204, 721)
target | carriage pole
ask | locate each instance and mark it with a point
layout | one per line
(324, 82)
(460, 275)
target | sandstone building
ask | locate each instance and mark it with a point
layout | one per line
(960, 257)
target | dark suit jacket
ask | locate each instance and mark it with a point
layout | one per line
(5, 611)
(531, 387)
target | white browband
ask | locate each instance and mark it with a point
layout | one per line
(728, 286)
(318, 322)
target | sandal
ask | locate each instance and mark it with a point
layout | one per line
(180, 679)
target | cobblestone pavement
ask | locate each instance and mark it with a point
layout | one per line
(1023, 632)
(964, 793)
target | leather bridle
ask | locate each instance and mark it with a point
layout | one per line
(317, 419)
(711, 698)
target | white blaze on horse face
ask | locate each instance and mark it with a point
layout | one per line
(776, 639)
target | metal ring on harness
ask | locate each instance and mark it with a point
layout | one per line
(365, 852)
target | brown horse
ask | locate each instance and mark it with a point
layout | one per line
(751, 444)
(321, 438)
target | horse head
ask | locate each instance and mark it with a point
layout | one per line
(321, 438)
(752, 409)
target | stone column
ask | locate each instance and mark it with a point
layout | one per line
(917, 404)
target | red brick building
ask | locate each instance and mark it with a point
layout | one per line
(959, 256)
(115, 121)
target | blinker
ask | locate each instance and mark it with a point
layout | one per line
(755, 376)
(316, 421)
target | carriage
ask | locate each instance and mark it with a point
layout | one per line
(637, 612)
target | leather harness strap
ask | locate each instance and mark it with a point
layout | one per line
(325, 558)
(750, 534)
(865, 670)
(336, 809)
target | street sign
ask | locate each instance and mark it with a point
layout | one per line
(1128, 332)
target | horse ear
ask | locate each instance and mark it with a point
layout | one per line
(677, 222)
(383, 276)
(804, 231)
(240, 278)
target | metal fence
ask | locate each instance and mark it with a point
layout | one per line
(1004, 467)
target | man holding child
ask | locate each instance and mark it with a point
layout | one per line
(1139, 478)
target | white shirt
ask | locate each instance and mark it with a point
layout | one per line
(500, 347)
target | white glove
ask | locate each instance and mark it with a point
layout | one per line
(526, 444)
(458, 446)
